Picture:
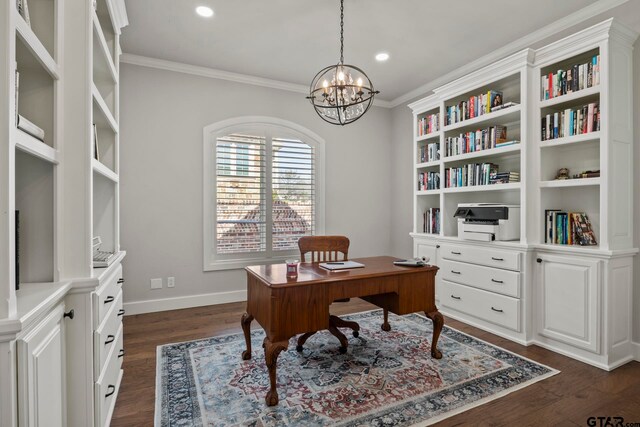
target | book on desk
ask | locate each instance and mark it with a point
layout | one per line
(340, 265)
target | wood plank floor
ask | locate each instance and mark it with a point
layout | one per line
(569, 398)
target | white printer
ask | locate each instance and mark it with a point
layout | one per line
(488, 221)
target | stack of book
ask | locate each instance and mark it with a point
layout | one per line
(568, 228)
(571, 122)
(429, 152)
(469, 175)
(481, 139)
(578, 77)
(504, 177)
(429, 124)
(475, 106)
(428, 181)
(431, 221)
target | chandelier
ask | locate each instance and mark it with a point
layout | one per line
(341, 93)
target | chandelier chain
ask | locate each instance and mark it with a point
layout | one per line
(342, 31)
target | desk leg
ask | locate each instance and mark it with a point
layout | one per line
(271, 352)
(246, 328)
(438, 322)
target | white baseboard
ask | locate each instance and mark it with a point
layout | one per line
(176, 303)
(636, 347)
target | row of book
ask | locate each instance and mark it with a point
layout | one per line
(469, 175)
(571, 122)
(428, 181)
(429, 124)
(431, 221)
(429, 152)
(578, 77)
(568, 228)
(481, 139)
(475, 106)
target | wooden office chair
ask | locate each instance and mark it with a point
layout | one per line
(323, 249)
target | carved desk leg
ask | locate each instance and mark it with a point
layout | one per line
(271, 352)
(246, 328)
(386, 326)
(438, 322)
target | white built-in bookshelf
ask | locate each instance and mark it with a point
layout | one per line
(571, 298)
(65, 197)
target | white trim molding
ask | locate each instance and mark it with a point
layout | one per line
(189, 301)
(636, 347)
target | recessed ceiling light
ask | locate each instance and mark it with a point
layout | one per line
(205, 11)
(382, 57)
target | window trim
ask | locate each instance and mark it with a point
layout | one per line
(245, 124)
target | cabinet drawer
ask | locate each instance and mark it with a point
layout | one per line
(105, 296)
(494, 308)
(106, 337)
(491, 279)
(106, 390)
(490, 257)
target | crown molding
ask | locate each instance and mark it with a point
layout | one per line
(212, 73)
(519, 44)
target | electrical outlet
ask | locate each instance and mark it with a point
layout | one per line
(156, 283)
(171, 282)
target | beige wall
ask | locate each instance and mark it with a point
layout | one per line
(162, 117)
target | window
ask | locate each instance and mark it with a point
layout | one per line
(262, 191)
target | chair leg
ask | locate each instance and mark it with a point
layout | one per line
(340, 323)
(344, 343)
(303, 339)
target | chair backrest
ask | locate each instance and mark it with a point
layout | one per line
(324, 248)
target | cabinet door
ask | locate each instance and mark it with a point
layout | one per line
(430, 251)
(41, 385)
(569, 306)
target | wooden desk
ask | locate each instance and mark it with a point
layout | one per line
(288, 307)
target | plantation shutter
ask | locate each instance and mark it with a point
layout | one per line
(293, 190)
(240, 194)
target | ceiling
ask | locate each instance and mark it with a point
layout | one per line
(291, 40)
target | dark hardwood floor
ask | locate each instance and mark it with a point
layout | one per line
(580, 391)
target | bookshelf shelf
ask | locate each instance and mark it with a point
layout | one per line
(492, 152)
(427, 137)
(35, 147)
(37, 49)
(514, 186)
(105, 116)
(501, 117)
(567, 140)
(432, 164)
(574, 249)
(561, 183)
(427, 192)
(571, 97)
(103, 49)
(104, 171)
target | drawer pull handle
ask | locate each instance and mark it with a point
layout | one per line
(497, 259)
(120, 280)
(110, 339)
(497, 310)
(121, 312)
(497, 281)
(538, 260)
(456, 253)
(112, 389)
(70, 314)
(437, 246)
(455, 272)
(109, 299)
(455, 297)
(121, 354)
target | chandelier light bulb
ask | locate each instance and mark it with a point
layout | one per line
(341, 76)
(359, 82)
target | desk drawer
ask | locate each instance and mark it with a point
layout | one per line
(106, 337)
(106, 390)
(105, 296)
(504, 282)
(489, 257)
(487, 306)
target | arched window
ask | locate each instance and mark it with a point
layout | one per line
(263, 190)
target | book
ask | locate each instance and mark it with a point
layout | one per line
(23, 10)
(568, 228)
(17, 248)
(30, 128)
(340, 265)
(96, 151)
(17, 97)
(503, 106)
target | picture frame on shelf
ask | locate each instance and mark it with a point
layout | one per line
(96, 151)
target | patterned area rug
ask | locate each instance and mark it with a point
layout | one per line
(385, 379)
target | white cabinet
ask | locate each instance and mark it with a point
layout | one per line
(41, 373)
(568, 300)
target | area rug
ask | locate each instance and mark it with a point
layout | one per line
(385, 378)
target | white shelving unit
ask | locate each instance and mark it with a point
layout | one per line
(571, 299)
(64, 197)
